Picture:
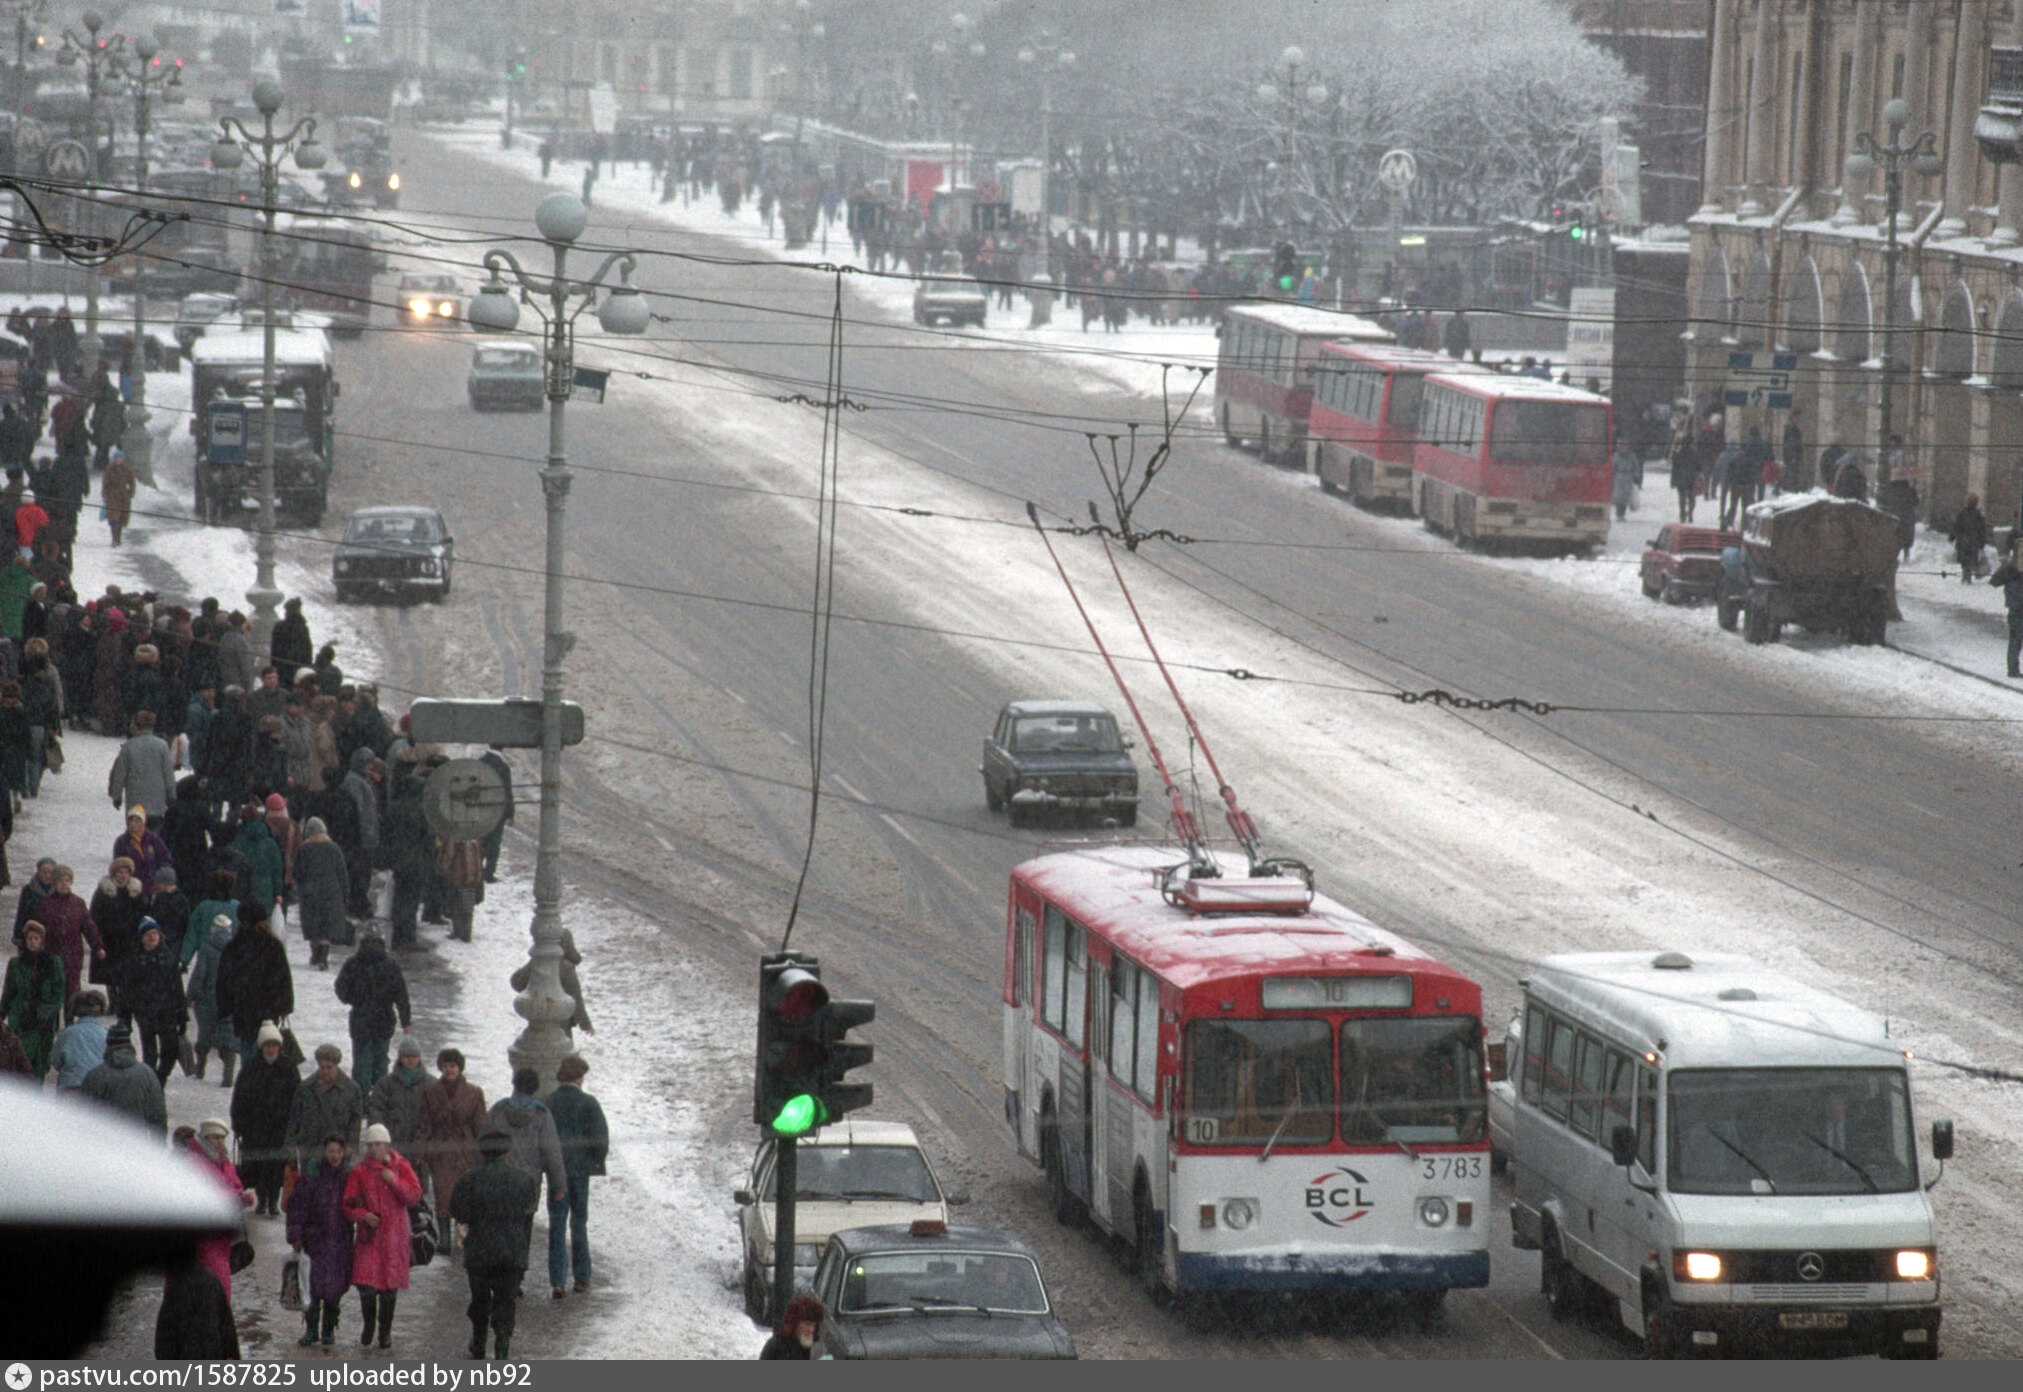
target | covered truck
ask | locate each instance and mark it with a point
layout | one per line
(1827, 564)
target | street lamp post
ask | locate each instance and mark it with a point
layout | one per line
(560, 218)
(101, 59)
(235, 141)
(1292, 80)
(1922, 154)
(23, 11)
(1047, 57)
(146, 83)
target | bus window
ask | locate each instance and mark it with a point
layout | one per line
(1123, 1018)
(1559, 1068)
(1417, 1080)
(1248, 1080)
(1647, 1120)
(1532, 1079)
(1586, 1112)
(1022, 959)
(1618, 1102)
(1549, 432)
(1074, 1002)
(1063, 939)
(1145, 1074)
(1407, 389)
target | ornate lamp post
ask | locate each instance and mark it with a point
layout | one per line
(560, 218)
(1293, 81)
(267, 148)
(146, 83)
(101, 59)
(1046, 56)
(24, 11)
(1922, 154)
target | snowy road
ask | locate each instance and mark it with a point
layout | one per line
(1760, 811)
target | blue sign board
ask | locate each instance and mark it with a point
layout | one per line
(228, 433)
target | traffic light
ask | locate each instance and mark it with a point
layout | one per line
(1579, 229)
(804, 1054)
(1285, 266)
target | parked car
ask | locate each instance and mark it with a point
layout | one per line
(857, 1173)
(429, 298)
(1062, 756)
(947, 294)
(393, 550)
(1683, 562)
(505, 372)
(199, 312)
(932, 1291)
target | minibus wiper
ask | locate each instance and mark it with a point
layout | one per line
(1844, 1159)
(1745, 1156)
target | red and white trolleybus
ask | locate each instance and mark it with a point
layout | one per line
(1264, 372)
(1364, 420)
(1515, 458)
(1256, 1088)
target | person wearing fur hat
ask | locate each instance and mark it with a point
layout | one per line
(123, 1083)
(117, 909)
(799, 1327)
(377, 1197)
(497, 1203)
(72, 935)
(113, 655)
(446, 1133)
(147, 689)
(143, 846)
(147, 987)
(328, 1103)
(395, 1100)
(261, 1100)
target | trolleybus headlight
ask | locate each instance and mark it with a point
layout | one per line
(1914, 1265)
(1433, 1212)
(1238, 1214)
(1698, 1266)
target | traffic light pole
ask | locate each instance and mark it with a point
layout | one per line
(787, 1175)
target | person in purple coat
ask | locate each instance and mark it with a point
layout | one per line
(318, 1228)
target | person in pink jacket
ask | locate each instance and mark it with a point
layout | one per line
(381, 1190)
(209, 1150)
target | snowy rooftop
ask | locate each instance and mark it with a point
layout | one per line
(1312, 321)
(1518, 388)
(1390, 354)
(248, 345)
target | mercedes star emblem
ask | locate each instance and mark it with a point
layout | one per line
(1811, 1266)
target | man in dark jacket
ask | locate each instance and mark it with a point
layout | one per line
(196, 1317)
(327, 1104)
(497, 1202)
(361, 790)
(496, 762)
(124, 1083)
(170, 907)
(410, 844)
(147, 988)
(255, 984)
(375, 988)
(261, 1102)
(579, 1123)
(1970, 535)
(290, 646)
(2010, 578)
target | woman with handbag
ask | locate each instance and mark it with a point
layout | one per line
(209, 1151)
(32, 1000)
(319, 1228)
(377, 1196)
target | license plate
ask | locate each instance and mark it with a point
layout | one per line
(1812, 1319)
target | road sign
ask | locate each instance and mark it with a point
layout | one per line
(1750, 385)
(464, 800)
(228, 433)
(1397, 169)
(68, 160)
(514, 723)
(589, 385)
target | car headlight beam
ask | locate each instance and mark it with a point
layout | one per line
(1699, 1266)
(1914, 1265)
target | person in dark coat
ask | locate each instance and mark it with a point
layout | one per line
(147, 988)
(579, 1123)
(318, 1228)
(322, 881)
(261, 1100)
(497, 1202)
(799, 1327)
(32, 1000)
(1970, 536)
(117, 908)
(255, 841)
(395, 1100)
(228, 752)
(2009, 578)
(170, 907)
(1849, 480)
(123, 1083)
(186, 831)
(375, 988)
(496, 838)
(326, 1104)
(196, 1316)
(290, 648)
(446, 1134)
(39, 887)
(254, 982)
(406, 835)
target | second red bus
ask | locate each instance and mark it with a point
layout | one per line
(1513, 458)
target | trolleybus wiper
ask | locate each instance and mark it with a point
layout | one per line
(1743, 1154)
(1279, 1130)
(1844, 1159)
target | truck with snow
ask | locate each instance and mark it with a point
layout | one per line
(1827, 564)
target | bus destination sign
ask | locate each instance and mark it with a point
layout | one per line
(1337, 993)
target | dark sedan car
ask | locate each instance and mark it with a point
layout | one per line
(1059, 755)
(1684, 562)
(393, 549)
(933, 1291)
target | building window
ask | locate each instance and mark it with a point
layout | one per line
(1840, 118)
(1897, 76)
(741, 74)
(1794, 162)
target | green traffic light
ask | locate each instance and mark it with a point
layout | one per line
(1577, 233)
(1285, 282)
(799, 1116)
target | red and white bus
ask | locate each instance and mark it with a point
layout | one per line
(1364, 420)
(329, 270)
(1255, 1091)
(1515, 458)
(1264, 373)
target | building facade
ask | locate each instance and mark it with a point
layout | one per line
(1662, 43)
(1789, 251)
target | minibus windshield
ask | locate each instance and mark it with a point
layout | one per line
(1790, 1131)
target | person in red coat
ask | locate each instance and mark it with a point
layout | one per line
(68, 923)
(208, 1150)
(381, 1190)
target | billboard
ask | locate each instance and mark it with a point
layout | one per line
(361, 16)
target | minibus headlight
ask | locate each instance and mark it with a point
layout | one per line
(1238, 1214)
(1698, 1266)
(1914, 1264)
(1433, 1212)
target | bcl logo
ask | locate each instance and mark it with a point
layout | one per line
(1336, 1198)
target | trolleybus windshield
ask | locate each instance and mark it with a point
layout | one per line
(1790, 1131)
(1415, 1080)
(1549, 432)
(1250, 1080)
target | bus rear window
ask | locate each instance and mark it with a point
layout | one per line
(1249, 1080)
(1412, 1080)
(1407, 388)
(1548, 432)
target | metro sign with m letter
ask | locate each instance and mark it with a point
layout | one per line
(1336, 1198)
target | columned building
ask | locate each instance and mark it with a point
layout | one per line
(1788, 250)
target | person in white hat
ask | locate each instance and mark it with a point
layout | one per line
(377, 1197)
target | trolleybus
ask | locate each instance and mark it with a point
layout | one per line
(330, 271)
(1264, 373)
(1255, 1088)
(1512, 458)
(1365, 418)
